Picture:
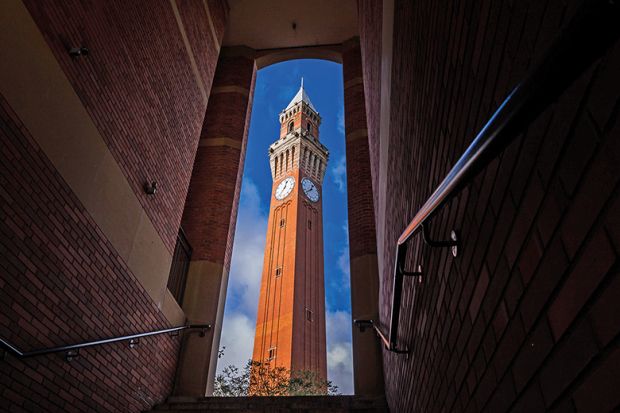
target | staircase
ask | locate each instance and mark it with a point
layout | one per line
(302, 404)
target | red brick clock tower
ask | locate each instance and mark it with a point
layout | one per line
(290, 324)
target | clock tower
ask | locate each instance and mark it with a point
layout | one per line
(290, 323)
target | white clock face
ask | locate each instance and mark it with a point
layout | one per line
(285, 188)
(310, 189)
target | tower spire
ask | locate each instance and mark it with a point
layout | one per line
(301, 96)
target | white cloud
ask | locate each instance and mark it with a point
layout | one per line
(343, 259)
(340, 119)
(248, 249)
(238, 340)
(339, 355)
(343, 262)
(244, 282)
(339, 173)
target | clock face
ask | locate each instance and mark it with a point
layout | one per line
(310, 189)
(285, 188)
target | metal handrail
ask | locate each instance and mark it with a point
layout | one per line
(593, 30)
(72, 349)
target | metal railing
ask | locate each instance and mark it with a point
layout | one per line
(593, 30)
(72, 350)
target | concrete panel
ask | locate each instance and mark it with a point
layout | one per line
(38, 90)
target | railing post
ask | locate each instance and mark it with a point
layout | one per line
(397, 289)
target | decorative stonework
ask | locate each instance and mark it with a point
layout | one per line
(299, 146)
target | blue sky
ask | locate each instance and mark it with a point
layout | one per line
(275, 87)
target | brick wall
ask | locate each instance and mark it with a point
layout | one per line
(210, 213)
(211, 210)
(362, 237)
(62, 282)
(138, 86)
(367, 356)
(525, 318)
(370, 15)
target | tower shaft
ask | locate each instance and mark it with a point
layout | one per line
(290, 324)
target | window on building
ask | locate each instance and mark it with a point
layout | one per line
(282, 222)
(308, 314)
(278, 271)
(180, 267)
(309, 127)
(290, 126)
(309, 224)
(271, 353)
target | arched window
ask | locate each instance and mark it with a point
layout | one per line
(293, 157)
(287, 152)
(290, 126)
(309, 127)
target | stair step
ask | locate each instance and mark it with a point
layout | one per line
(327, 404)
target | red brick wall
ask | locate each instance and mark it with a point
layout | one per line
(235, 200)
(211, 209)
(218, 9)
(370, 22)
(362, 237)
(526, 318)
(139, 88)
(200, 36)
(62, 282)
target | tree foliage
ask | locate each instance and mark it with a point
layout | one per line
(262, 379)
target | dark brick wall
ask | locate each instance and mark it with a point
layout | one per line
(362, 237)
(525, 318)
(370, 23)
(62, 282)
(200, 36)
(138, 86)
(218, 9)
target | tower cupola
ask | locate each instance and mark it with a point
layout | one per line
(300, 116)
(298, 146)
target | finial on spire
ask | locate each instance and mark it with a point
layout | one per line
(302, 82)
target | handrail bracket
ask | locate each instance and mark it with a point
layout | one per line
(364, 324)
(454, 242)
(417, 274)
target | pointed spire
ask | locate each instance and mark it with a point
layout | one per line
(301, 96)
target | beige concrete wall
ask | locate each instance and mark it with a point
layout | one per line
(367, 359)
(37, 89)
(198, 360)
